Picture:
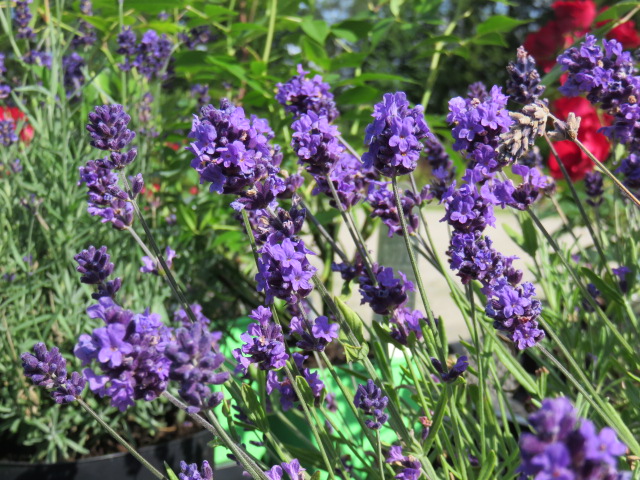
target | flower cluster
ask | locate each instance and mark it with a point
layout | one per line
(442, 168)
(151, 57)
(630, 170)
(288, 395)
(316, 143)
(467, 210)
(388, 294)
(284, 270)
(108, 130)
(87, 32)
(292, 469)
(394, 137)
(95, 267)
(129, 350)
(233, 153)
(191, 471)
(48, 369)
(383, 202)
(21, 17)
(301, 95)
(73, 78)
(477, 126)
(263, 343)
(523, 84)
(8, 132)
(608, 76)
(5, 90)
(284, 224)
(153, 265)
(593, 186)
(200, 35)
(566, 446)
(372, 402)
(313, 336)
(410, 468)
(194, 360)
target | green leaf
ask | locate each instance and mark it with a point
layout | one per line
(488, 467)
(170, 472)
(216, 11)
(156, 6)
(386, 335)
(492, 38)
(348, 60)
(188, 216)
(254, 408)
(352, 318)
(358, 95)
(315, 52)
(530, 237)
(499, 24)
(353, 353)
(395, 7)
(514, 367)
(305, 390)
(318, 30)
(616, 11)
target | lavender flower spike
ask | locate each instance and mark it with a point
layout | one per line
(49, 370)
(370, 400)
(301, 95)
(95, 267)
(108, 128)
(191, 471)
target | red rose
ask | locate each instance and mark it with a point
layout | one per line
(14, 113)
(544, 44)
(576, 161)
(573, 15)
(625, 33)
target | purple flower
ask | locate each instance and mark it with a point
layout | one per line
(390, 292)
(108, 128)
(194, 360)
(442, 168)
(566, 446)
(288, 396)
(349, 271)
(191, 471)
(200, 35)
(87, 36)
(263, 344)
(21, 18)
(404, 322)
(466, 209)
(622, 273)
(8, 133)
(129, 350)
(514, 311)
(36, 57)
(126, 45)
(534, 183)
(180, 316)
(151, 57)
(593, 186)
(383, 202)
(232, 152)
(394, 136)
(523, 84)
(73, 77)
(314, 336)
(284, 224)
(409, 465)
(350, 179)
(284, 270)
(474, 258)
(293, 470)
(372, 402)
(48, 369)
(105, 198)
(263, 194)
(477, 126)
(301, 95)
(95, 267)
(153, 266)
(316, 143)
(457, 370)
(630, 170)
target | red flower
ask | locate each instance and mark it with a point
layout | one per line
(544, 44)
(573, 15)
(14, 113)
(576, 161)
(625, 33)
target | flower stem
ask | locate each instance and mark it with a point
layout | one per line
(273, 10)
(416, 271)
(120, 440)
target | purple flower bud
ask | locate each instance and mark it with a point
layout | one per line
(21, 17)
(95, 267)
(523, 84)
(137, 184)
(8, 133)
(370, 400)
(108, 128)
(301, 95)
(389, 293)
(457, 370)
(409, 465)
(191, 472)
(49, 370)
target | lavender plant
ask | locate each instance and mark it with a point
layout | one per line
(401, 403)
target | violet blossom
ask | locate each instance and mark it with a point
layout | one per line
(301, 95)
(95, 266)
(372, 402)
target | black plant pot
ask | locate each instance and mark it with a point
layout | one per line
(123, 466)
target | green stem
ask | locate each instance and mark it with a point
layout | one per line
(272, 27)
(481, 379)
(120, 440)
(581, 286)
(416, 271)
